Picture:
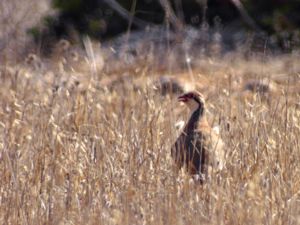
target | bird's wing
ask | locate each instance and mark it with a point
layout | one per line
(177, 150)
(213, 145)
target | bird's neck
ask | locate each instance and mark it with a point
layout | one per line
(194, 119)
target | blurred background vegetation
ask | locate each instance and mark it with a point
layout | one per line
(47, 21)
(99, 19)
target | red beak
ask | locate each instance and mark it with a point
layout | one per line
(182, 98)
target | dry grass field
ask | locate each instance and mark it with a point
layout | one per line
(80, 145)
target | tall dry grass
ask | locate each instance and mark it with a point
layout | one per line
(72, 154)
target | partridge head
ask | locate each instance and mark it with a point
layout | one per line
(193, 100)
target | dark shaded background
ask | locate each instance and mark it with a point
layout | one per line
(98, 19)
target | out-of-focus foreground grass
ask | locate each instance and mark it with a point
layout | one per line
(80, 146)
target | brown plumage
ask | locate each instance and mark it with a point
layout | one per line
(198, 147)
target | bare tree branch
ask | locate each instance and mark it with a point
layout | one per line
(170, 14)
(246, 17)
(126, 14)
